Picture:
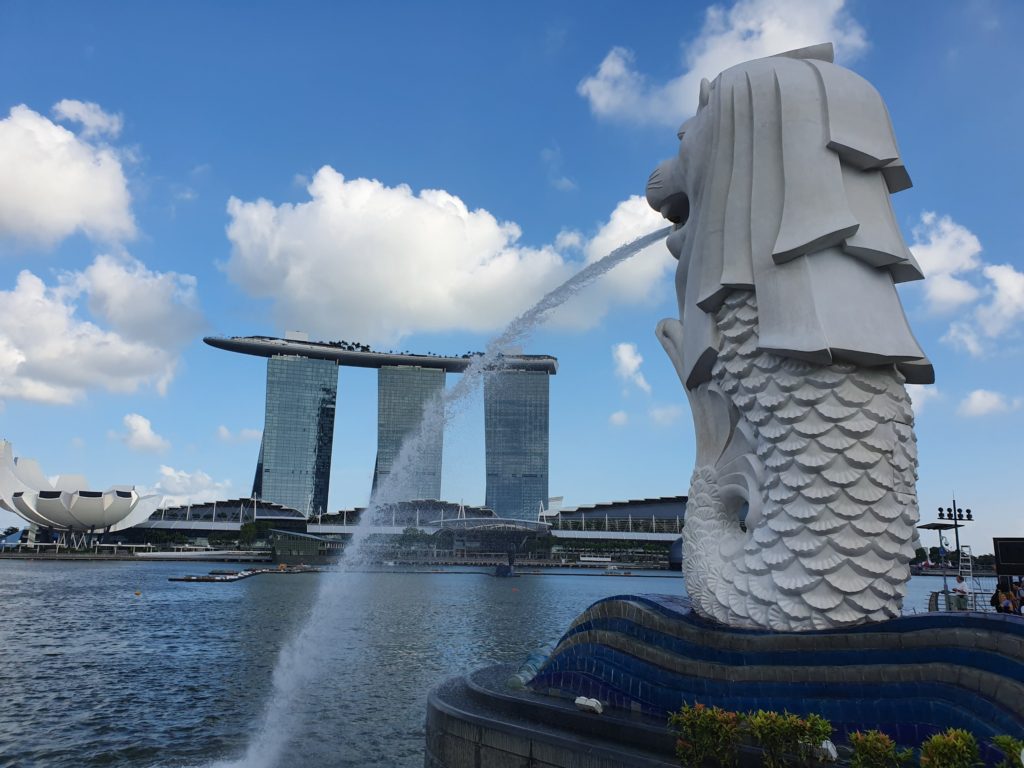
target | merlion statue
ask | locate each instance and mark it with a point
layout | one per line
(793, 347)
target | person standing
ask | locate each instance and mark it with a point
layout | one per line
(960, 594)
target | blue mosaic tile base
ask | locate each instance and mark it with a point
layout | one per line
(908, 677)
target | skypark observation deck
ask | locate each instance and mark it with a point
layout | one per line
(361, 356)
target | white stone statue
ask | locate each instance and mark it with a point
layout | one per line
(793, 347)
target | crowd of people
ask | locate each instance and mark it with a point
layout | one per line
(1008, 599)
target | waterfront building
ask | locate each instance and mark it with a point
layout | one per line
(64, 503)
(294, 462)
(661, 515)
(516, 440)
(224, 517)
(403, 392)
(294, 465)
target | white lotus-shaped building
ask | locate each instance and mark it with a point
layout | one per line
(64, 504)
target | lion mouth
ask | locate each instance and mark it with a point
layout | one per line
(676, 238)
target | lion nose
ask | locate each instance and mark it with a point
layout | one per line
(665, 192)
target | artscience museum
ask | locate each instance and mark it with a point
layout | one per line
(65, 505)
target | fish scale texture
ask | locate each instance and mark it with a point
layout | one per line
(830, 452)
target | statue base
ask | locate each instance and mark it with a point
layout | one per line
(643, 656)
(477, 720)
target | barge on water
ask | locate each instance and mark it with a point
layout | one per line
(221, 576)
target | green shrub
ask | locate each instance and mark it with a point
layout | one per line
(955, 748)
(1011, 749)
(775, 733)
(874, 749)
(706, 734)
(786, 734)
(818, 729)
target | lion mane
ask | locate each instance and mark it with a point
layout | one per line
(787, 168)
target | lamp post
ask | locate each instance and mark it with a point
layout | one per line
(957, 517)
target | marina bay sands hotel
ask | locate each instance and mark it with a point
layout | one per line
(294, 465)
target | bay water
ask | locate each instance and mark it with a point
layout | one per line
(92, 674)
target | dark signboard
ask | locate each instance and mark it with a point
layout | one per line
(1009, 556)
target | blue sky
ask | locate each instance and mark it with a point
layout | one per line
(243, 168)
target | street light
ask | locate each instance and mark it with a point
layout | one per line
(949, 517)
(957, 517)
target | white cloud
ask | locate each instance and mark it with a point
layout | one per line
(619, 419)
(946, 251)
(243, 435)
(956, 278)
(94, 121)
(54, 183)
(50, 353)
(156, 307)
(749, 29)
(627, 365)
(641, 280)
(383, 262)
(665, 415)
(179, 487)
(921, 395)
(568, 239)
(140, 435)
(1006, 304)
(983, 402)
(962, 335)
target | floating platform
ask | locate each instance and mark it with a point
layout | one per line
(219, 577)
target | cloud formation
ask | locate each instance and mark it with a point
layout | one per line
(749, 29)
(984, 402)
(140, 435)
(921, 395)
(179, 487)
(383, 262)
(94, 121)
(1005, 305)
(988, 298)
(641, 280)
(946, 252)
(138, 322)
(54, 183)
(627, 365)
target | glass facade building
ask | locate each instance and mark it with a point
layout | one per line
(402, 394)
(294, 466)
(516, 439)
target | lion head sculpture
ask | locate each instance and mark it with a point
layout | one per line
(781, 186)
